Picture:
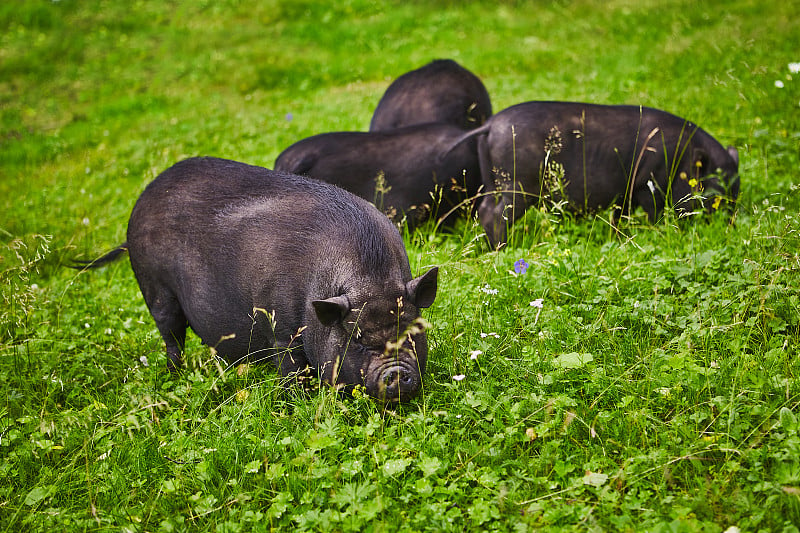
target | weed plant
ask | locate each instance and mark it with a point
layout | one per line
(584, 377)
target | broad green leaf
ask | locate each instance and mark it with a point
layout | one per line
(787, 419)
(253, 466)
(393, 467)
(429, 465)
(36, 495)
(572, 360)
(595, 479)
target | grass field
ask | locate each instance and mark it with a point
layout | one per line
(645, 379)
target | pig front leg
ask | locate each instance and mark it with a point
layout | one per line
(650, 196)
(292, 363)
(492, 216)
(652, 201)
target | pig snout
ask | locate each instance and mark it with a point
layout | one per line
(396, 381)
(400, 382)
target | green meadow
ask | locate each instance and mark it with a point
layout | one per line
(638, 378)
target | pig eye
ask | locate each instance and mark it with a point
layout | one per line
(364, 349)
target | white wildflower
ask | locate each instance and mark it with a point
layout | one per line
(794, 68)
(459, 377)
(779, 84)
(474, 354)
(487, 289)
(143, 360)
(538, 303)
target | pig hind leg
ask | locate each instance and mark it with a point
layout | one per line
(171, 323)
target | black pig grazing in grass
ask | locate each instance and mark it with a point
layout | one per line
(402, 171)
(266, 265)
(596, 156)
(441, 91)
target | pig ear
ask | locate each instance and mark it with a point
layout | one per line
(734, 153)
(332, 310)
(421, 291)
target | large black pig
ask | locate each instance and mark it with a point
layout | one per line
(441, 91)
(402, 171)
(266, 265)
(596, 156)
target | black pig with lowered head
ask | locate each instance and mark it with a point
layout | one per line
(441, 91)
(266, 265)
(405, 171)
(595, 156)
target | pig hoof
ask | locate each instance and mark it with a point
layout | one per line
(174, 363)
